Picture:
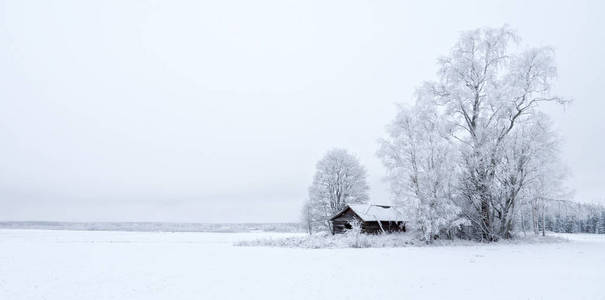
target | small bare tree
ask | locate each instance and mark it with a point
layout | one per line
(307, 218)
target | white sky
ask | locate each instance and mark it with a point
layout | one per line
(216, 111)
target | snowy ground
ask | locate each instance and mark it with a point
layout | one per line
(39, 264)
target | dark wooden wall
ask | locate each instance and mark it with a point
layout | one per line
(387, 226)
(343, 223)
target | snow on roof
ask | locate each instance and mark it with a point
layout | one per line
(369, 212)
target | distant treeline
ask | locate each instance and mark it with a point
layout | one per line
(155, 226)
(570, 217)
(566, 216)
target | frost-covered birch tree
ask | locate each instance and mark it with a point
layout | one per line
(546, 174)
(487, 90)
(339, 180)
(482, 106)
(529, 172)
(420, 160)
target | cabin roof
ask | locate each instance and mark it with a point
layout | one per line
(370, 212)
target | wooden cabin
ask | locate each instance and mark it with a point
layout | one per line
(373, 219)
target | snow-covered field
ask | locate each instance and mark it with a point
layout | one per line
(45, 264)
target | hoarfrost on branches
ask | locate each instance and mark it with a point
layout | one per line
(472, 146)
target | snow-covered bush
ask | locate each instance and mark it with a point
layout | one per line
(392, 240)
(354, 236)
(350, 239)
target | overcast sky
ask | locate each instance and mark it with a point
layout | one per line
(216, 111)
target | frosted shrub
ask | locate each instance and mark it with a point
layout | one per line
(389, 240)
(354, 237)
(350, 239)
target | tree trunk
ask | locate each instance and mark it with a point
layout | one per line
(485, 220)
(543, 221)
